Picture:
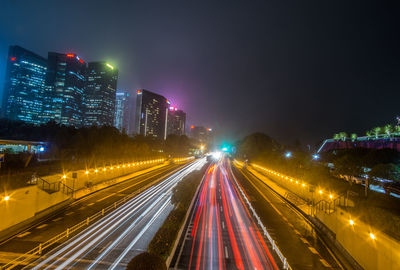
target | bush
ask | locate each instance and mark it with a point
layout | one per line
(146, 261)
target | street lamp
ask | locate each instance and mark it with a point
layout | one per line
(6, 198)
(288, 154)
(315, 157)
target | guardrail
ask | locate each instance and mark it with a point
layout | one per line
(266, 234)
(27, 257)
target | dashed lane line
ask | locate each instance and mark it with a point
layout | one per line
(226, 253)
(325, 263)
(69, 213)
(23, 234)
(42, 226)
(57, 219)
(313, 250)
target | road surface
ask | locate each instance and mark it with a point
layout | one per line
(221, 233)
(114, 240)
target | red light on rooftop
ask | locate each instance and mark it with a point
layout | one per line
(138, 92)
(70, 55)
(13, 58)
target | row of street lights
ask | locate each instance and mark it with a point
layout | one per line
(119, 166)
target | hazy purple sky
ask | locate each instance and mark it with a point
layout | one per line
(292, 69)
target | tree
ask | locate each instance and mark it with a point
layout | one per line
(377, 131)
(353, 137)
(343, 135)
(256, 144)
(146, 261)
(336, 136)
(388, 130)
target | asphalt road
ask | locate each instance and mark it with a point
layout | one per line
(114, 240)
(221, 233)
(76, 212)
(295, 237)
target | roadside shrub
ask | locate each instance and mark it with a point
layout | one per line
(146, 261)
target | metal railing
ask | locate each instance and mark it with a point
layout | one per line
(266, 234)
(27, 257)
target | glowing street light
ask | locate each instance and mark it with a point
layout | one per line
(87, 172)
(351, 222)
(64, 176)
(6, 198)
(372, 236)
(288, 154)
(315, 156)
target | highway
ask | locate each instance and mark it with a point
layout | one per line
(112, 241)
(76, 212)
(221, 233)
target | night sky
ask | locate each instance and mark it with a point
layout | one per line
(291, 69)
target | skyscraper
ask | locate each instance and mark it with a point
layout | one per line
(101, 87)
(65, 84)
(151, 114)
(24, 87)
(176, 121)
(123, 112)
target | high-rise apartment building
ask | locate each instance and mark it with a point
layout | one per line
(65, 87)
(151, 114)
(24, 87)
(100, 92)
(176, 121)
(124, 112)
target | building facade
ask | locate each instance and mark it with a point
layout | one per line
(24, 89)
(123, 112)
(100, 94)
(176, 121)
(151, 114)
(65, 87)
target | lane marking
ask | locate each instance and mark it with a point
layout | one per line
(304, 240)
(325, 263)
(297, 232)
(313, 250)
(226, 253)
(23, 234)
(106, 197)
(69, 213)
(83, 207)
(57, 219)
(42, 226)
(90, 204)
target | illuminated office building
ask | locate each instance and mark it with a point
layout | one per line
(24, 88)
(65, 88)
(176, 121)
(100, 92)
(151, 114)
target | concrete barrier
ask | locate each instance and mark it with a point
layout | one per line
(25, 203)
